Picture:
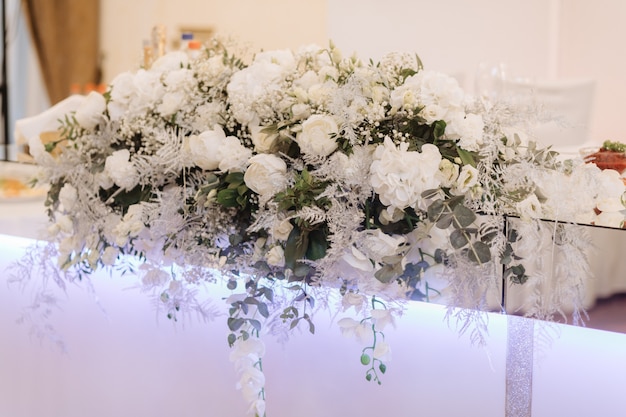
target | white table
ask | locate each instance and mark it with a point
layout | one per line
(123, 359)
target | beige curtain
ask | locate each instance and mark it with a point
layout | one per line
(66, 36)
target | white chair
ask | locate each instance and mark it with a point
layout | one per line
(565, 111)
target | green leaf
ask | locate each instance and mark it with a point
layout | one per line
(262, 307)
(231, 339)
(311, 325)
(435, 210)
(228, 197)
(256, 324)
(251, 301)
(317, 245)
(480, 254)
(234, 178)
(294, 323)
(296, 247)
(242, 189)
(232, 284)
(464, 216)
(440, 129)
(445, 221)
(458, 239)
(430, 193)
(269, 294)
(466, 157)
(234, 323)
(365, 359)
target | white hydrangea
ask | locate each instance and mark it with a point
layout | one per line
(121, 170)
(400, 176)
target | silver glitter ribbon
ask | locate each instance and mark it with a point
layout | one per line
(519, 366)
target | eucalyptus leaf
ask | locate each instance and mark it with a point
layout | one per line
(480, 254)
(458, 239)
(435, 210)
(464, 216)
(445, 221)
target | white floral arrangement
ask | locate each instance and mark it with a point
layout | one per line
(307, 180)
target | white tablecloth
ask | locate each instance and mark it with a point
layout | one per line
(123, 359)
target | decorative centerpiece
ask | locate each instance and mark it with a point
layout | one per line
(307, 180)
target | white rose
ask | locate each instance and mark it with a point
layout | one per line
(469, 131)
(146, 91)
(170, 62)
(119, 168)
(172, 102)
(68, 196)
(266, 174)
(448, 173)
(91, 111)
(322, 94)
(282, 229)
(378, 244)
(529, 208)
(212, 149)
(468, 177)
(317, 137)
(234, 156)
(262, 141)
(300, 111)
(276, 256)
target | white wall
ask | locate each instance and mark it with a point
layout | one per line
(535, 38)
(449, 35)
(592, 40)
(268, 24)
